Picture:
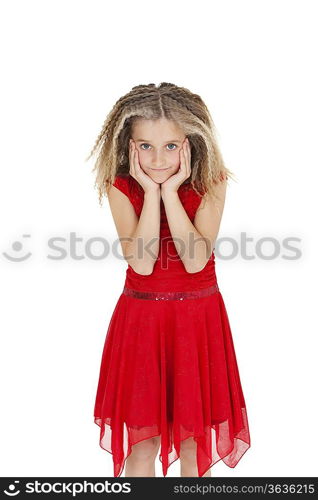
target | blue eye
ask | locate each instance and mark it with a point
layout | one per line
(145, 144)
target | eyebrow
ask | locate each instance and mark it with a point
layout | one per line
(144, 140)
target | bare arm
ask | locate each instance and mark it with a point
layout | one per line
(139, 238)
(195, 242)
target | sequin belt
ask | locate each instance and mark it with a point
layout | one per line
(193, 294)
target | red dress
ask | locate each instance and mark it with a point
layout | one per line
(168, 365)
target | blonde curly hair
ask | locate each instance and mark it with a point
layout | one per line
(154, 102)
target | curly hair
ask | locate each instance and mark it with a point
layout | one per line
(154, 102)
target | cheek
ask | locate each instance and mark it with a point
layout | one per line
(142, 157)
(175, 159)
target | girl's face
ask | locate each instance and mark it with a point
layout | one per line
(158, 143)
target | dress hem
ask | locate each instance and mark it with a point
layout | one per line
(245, 445)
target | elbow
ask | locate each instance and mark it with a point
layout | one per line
(195, 268)
(139, 267)
(143, 270)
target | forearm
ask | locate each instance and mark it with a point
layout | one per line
(143, 246)
(190, 244)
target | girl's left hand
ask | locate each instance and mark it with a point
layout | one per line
(174, 182)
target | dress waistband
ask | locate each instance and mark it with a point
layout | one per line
(193, 294)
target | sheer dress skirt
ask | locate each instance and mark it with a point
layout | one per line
(169, 369)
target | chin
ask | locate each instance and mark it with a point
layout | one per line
(160, 176)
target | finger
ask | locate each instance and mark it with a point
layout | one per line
(186, 163)
(185, 154)
(130, 153)
(184, 159)
(132, 167)
(188, 154)
(181, 158)
(187, 150)
(136, 160)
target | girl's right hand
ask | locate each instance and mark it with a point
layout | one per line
(137, 172)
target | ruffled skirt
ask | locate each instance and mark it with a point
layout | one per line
(169, 369)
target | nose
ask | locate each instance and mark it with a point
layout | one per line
(158, 160)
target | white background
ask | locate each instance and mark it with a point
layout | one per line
(64, 64)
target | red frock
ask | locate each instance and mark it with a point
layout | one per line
(168, 365)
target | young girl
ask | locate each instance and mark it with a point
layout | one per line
(168, 377)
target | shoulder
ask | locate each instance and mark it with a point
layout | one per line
(131, 188)
(212, 204)
(199, 199)
(122, 183)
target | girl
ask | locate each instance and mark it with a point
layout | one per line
(168, 376)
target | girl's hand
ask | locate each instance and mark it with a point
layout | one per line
(137, 172)
(174, 182)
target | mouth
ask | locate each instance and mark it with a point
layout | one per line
(159, 169)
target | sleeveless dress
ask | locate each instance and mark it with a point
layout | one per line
(168, 366)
